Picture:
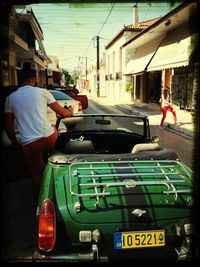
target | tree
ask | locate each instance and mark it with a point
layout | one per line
(68, 78)
(75, 77)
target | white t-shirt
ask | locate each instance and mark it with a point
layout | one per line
(29, 106)
(166, 101)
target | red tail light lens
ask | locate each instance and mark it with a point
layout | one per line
(80, 106)
(47, 226)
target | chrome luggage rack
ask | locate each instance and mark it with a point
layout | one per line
(98, 177)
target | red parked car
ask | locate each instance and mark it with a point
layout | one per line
(68, 90)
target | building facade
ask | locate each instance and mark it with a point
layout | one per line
(143, 58)
(23, 37)
(119, 87)
(165, 55)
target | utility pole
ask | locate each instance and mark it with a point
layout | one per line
(98, 80)
(86, 72)
(78, 66)
(85, 82)
(135, 15)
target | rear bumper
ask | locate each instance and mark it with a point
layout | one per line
(91, 256)
(181, 253)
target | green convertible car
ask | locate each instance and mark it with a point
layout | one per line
(111, 193)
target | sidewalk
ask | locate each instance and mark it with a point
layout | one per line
(186, 128)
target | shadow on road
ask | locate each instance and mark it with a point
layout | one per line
(18, 220)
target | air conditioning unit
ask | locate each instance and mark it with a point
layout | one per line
(49, 72)
(33, 66)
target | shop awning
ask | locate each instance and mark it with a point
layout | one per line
(141, 57)
(136, 66)
(173, 52)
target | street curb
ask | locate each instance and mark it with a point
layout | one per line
(186, 133)
(169, 127)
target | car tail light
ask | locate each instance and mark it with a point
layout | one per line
(47, 226)
(80, 107)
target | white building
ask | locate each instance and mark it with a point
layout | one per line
(119, 86)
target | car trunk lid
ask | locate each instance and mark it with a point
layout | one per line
(128, 191)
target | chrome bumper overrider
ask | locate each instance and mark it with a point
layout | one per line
(92, 255)
(184, 251)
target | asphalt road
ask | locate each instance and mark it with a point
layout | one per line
(18, 224)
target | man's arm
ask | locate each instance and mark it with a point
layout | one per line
(9, 127)
(55, 106)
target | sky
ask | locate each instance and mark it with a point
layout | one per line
(70, 29)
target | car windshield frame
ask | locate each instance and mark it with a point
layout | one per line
(101, 122)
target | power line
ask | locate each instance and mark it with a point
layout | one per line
(107, 17)
(101, 28)
(105, 38)
(64, 33)
(136, 3)
(69, 58)
(147, 12)
(88, 46)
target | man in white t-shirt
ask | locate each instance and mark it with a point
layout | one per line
(27, 109)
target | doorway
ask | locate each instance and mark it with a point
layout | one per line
(154, 87)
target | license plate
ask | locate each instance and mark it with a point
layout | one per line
(139, 239)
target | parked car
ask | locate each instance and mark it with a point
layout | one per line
(66, 100)
(68, 90)
(111, 193)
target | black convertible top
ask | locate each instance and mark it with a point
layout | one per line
(164, 154)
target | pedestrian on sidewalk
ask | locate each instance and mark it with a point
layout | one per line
(167, 105)
(27, 126)
(75, 90)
